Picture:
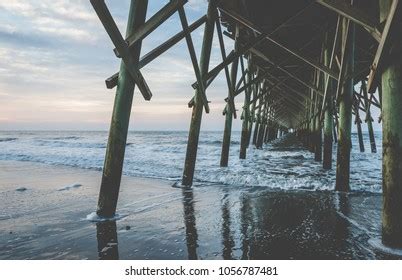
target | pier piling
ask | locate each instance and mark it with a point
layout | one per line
(369, 119)
(196, 116)
(113, 165)
(328, 113)
(392, 130)
(227, 133)
(246, 121)
(345, 110)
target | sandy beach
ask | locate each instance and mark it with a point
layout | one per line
(45, 208)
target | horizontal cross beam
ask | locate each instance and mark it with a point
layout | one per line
(111, 82)
(295, 53)
(388, 35)
(232, 57)
(121, 45)
(264, 57)
(154, 22)
(356, 15)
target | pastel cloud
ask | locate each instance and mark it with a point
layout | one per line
(56, 55)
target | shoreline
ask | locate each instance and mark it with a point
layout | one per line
(47, 219)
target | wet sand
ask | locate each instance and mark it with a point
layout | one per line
(44, 209)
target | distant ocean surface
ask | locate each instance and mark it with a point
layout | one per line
(161, 155)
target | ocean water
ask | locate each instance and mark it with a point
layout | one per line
(283, 164)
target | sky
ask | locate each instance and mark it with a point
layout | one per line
(55, 56)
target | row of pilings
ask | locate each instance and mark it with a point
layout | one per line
(330, 119)
(326, 117)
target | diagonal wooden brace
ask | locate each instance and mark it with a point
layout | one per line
(391, 30)
(121, 45)
(354, 14)
(150, 25)
(193, 56)
(232, 57)
(111, 82)
(229, 81)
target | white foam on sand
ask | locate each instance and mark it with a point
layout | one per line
(377, 244)
(69, 187)
(94, 217)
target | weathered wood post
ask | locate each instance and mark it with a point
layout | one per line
(312, 125)
(328, 116)
(345, 112)
(336, 125)
(257, 120)
(227, 133)
(196, 117)
(392, 134)
(113, 165)
(266, 133)
(358, 123)
(262, 125)
(369, 119)
(318, 136)
(246, 118)
(317, 119)
(252, 112)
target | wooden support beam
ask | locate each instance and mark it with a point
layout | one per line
(371, 102)
(113, 164)
(294, 53)
(154, 22)
(111, 28)
(318, 125)
(196, 117)
(354, 14)
(242, 79)
(345, 112)
(328, 86)
(293, 76)
(246, 117)
(327, 106)
(230, 84)
(227, 133)
(369, 119)
(392, 135)
(232, 57)
(254, 92)
(287, 88)
(193, 57)
(390, 34)
(358, 123)
(343, 65)
(260, 136)
(111, 82)
(258, 118)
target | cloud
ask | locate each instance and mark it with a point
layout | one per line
(198, 5)
(56, 56)
(66, 20)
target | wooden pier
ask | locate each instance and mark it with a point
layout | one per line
(310, 67)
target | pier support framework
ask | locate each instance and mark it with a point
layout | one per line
(116, 146)
(309, 89)
(196, 117)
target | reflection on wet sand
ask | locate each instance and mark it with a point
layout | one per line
(106, 233)
(227, 237)
(190, 223)
(246, 225)
(262, 225)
